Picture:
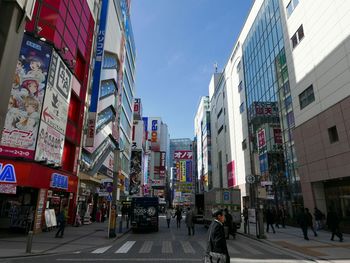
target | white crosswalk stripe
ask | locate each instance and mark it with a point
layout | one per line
(101, 250)
(146, 247)
(248, 248)
(167, 247)
(125, 248)
(186, 246)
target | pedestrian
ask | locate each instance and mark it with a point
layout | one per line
(168, 215)
(310, 221)
(216, 239)
(283, 216)
(230, 225)
(245, 217)
(178, 216)
(270, 220)
(277, 216)
(189, 221)
(61, 221)
(303, 222)
(319, 217)
(333, 221)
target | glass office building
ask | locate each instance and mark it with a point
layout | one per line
(269, 108)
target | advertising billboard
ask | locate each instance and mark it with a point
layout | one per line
(50, 145)
(25, 104)
(135, 172)
(55, 112)
(183, 164)
(137, 109)
(154, 133)
(231, 176)
(137, 135)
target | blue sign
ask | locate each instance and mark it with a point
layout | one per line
(99, 57)
(226, 196)
(109, 198)
(7, 173)
(59, 181)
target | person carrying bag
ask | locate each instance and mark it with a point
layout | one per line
(217, 248)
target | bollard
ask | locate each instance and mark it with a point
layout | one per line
(29, 242)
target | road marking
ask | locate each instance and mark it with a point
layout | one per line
(203, 244)
(188, 249)
(249, 249)
(101, 250)
(167, 247)
(146, 247)
(77, 252)
(232, 250)
(125, 248)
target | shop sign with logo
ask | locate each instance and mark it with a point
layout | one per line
(59, 181)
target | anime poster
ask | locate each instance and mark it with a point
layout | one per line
(58, 90)
(50, 145)
(23, 116)
(135, 172)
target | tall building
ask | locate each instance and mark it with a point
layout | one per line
(42, 136)
(183, 183)
(317, 57)
(202, 129)
(110, 120)
(287, 76)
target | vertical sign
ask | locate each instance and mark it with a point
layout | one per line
(28, 87)
(89, 142)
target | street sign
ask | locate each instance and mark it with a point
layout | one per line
(226, 196)
(250, 179)
(109, 198)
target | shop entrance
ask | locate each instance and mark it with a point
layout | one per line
(17, 211)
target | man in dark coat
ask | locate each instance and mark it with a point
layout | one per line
(333, 224)
(217, 240)
(303, 222)
(270, 219)
(310, 221)
(178, 215)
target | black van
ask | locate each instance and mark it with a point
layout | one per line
(144, 213)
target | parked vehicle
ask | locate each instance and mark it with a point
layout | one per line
(144, 213)
(220, 199)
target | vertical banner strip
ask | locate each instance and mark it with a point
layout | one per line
(97, 75)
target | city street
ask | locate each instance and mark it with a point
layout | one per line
(168, 245)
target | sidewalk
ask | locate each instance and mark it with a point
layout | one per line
(75, 238)
(317, 248)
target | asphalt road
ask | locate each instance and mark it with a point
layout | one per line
(168, 245)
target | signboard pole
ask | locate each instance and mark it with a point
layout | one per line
(112, 226)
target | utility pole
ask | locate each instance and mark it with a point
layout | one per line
(13, 15)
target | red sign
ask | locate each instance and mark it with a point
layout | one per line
(277, 135)
(261, 138)
(231, 177)
(38, 176)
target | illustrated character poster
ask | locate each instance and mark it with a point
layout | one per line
(135, 173)
(25, 103)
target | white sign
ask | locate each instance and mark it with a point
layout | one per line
(50, 145)
(252, 216)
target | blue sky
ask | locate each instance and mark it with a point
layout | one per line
(177, 43)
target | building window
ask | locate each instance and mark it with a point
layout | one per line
(333, 134)
(240, 85)
(110, 61)
(238, 66)
(298, 36)
(306, 97)
(108, 87)
(291, 6)
(104, 117)
(241, 107)
(221, 128)
(219, 113)
(244, 144)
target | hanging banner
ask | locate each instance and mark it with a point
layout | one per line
(23, 115)
(90, 136)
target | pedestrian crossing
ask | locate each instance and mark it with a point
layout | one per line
(165, 247)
